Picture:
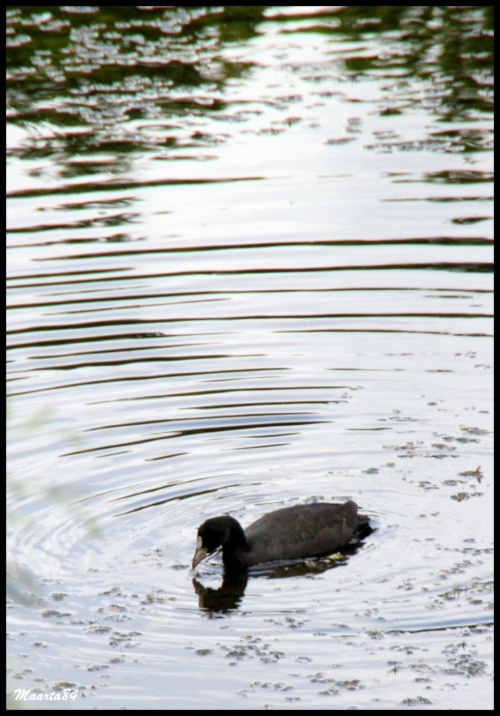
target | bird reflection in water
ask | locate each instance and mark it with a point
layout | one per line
(229, 595)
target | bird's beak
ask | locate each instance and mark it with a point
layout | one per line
(200, 553)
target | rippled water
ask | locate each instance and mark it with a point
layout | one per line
(249, 265)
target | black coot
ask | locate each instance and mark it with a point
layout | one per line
(295, 532)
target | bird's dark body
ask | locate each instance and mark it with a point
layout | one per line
(290, 533)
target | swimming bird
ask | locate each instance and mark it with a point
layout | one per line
(297, 532)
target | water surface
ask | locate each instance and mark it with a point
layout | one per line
(249, 266)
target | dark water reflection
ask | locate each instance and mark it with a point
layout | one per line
(249, 265)
(110, 70)
(229, 595)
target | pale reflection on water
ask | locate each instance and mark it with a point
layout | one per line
(249, 265)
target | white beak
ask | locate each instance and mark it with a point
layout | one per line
(200, 553)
